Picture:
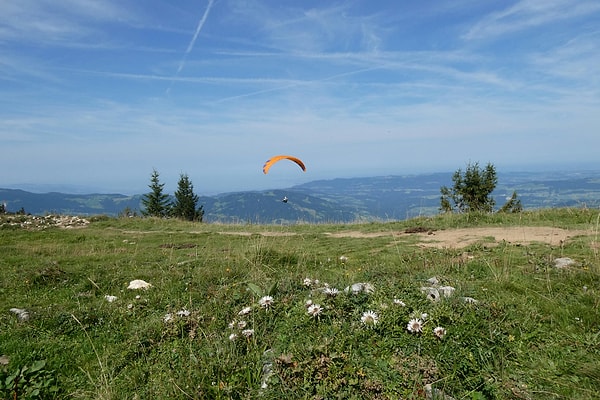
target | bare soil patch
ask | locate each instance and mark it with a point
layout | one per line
(458, 238)
(462, 237)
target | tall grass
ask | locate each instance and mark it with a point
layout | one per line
(530, 331)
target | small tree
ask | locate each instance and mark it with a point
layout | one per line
(186, 201)
(471, 190)
(156, 203)
(513, 205)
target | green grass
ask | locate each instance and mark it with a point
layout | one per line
(533, 334)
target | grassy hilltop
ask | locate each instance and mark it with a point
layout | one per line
(261, 311)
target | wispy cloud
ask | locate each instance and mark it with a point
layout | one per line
(527, 14)
(195, 37)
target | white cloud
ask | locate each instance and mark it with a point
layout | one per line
(525, 14)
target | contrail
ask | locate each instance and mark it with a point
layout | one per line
(193, 41)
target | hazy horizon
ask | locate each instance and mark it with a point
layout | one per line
(170, 187)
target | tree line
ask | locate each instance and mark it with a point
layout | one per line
(184, 205)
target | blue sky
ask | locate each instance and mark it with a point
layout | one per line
(97, 94)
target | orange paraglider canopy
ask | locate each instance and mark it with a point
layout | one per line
(275, 159)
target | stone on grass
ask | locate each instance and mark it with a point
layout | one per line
(138, 284)
(432, 393)
(446, 291)
(359, 287)
(432, 293)
(563, 262)
(22, 314)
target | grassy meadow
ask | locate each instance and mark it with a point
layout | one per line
(262, 311)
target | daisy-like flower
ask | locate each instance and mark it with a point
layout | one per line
(183, 313)
(439, 332)
(248, 332)
(266, 301)
(399, 302)
(233, 336)
(245, 310)
(241, 324)
(314, 310)
(331, 291)
(415, 325)
(424, 316)
(369, 318)
(307, 282)
(343, 259)
(308, 303)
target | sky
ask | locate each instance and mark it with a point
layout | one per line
(96, 95)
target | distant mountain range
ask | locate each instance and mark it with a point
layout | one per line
(336, 200)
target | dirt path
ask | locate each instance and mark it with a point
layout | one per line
(462, 237)
(458, 238)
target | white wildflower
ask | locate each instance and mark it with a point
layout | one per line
(248, 332)
(415, 325)
(343, 259)
(331, 291)
(307, 282)
(308, 303)
(168, 317)
(399, 302)
(241, 324)
(245, 311)
(314, 310)
(233, 336)
(110, 298)
(439, 332)
(183, 313)
(369, 318)
(266, 301)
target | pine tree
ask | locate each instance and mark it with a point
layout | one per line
(186, 201)
(471, 191)
(156, 203)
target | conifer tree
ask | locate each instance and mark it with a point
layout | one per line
(471, 190)
(186, 201)
(156, 203)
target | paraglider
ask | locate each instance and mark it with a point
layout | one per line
(275, 159)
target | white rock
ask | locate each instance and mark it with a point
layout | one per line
(446, 291)
(432, 293)
(563, 262)
(138, 284)
(433, 281)
(356, 288)
(470, 300)
(22, 315)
